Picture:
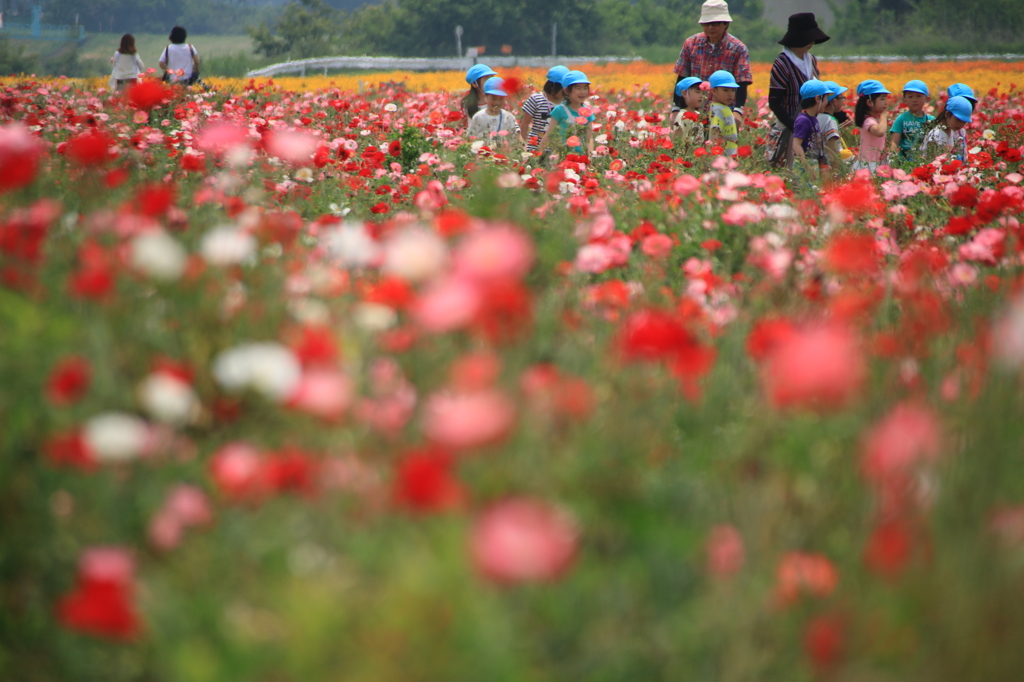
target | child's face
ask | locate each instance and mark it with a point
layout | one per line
(694, 98)
(578, 93)
(914, 101)
(955, 124)
(724, 96)
(881, 103)
(494, 101)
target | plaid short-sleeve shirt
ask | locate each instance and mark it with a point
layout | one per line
(701, 59)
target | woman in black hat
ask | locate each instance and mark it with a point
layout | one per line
(791, 69)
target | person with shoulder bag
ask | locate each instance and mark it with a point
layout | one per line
(179, 60)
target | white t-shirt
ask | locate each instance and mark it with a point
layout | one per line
(942, 141)
(829, 127)
(691, 132)
(126, 66)
(178, 57)
(483, 124)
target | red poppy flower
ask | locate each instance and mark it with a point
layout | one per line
(965, 196)
(512, 86)
(852, 253)
(68, 381)
(148, 94)
(395, 148)
(315, 346)
(155, 200)
(653, 335)
(69, 449)
(290, 470)
(102, 603)
(424, 482)
(888, 549)
(823, 642)
(90, 148)
(193, 162)
(380, 208)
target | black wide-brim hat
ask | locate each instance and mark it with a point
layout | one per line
(803, 30)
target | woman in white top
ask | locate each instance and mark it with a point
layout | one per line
(179, 60)
(128, 65)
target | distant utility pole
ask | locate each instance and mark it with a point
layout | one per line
(554, 36)
(458, 41)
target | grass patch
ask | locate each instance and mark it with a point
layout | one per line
(150, 45)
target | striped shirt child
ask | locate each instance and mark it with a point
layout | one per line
(539, 108)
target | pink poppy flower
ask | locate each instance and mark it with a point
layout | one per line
(469, 419)
(294, 147)
(523, 541)
(909, 434)
(494, 253)
(236, 470)
(20, 153)
(657, 246)
(725, 550)
(449, 304)
(818, 367)
(323, 392)
(220, 137)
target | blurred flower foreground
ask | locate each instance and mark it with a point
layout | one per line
(305, 386)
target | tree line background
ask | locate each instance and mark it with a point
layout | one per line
(426, 27)
(654, 29)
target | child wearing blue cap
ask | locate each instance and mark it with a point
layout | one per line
(475, 76)
(962, 90)
(831, 138)
(571, 118)
(722, 124)
(948, 136)
(909, 127)
(808, 147)
(537, 108)
(686, 125)
(872, 115)
(493, 120)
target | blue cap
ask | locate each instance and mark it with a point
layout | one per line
(960, 107)
(574, 77)
(687, 83)
(961, 90)
(814, 88)
(557, 73)
(917, 86)
(478, 71)
(834, 89)
(493, 86)
(722, 79)
(871, 87)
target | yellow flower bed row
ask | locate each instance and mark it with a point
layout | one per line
(980, 75)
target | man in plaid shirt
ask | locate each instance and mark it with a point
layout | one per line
(715, 50)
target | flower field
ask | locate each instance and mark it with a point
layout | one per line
(982, 75)
(298, 383)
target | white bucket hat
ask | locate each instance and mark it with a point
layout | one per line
(714, 10)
